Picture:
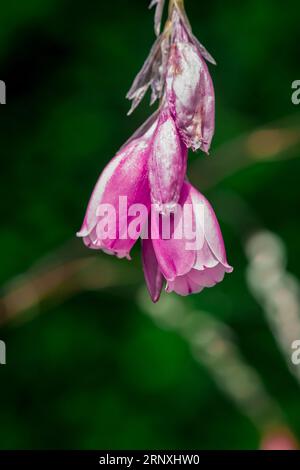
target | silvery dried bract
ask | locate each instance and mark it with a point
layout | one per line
(158, 14)
(177, 74)
(152, 74)
(180, 14)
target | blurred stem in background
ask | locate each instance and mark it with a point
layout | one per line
(276, 290)
(59, 277)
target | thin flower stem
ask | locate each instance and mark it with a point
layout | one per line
(179, 4)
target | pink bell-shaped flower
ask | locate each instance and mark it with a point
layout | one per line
(187, 267)
(124, 182)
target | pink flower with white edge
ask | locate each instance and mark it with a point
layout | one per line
(125, 175)
(150, 169)
(186, 270)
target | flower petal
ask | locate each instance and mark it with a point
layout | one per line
(153, 276)
(205, 258)
(125, 176)
(212, 231)
(167, 165)
(173, 257)
(183, 285)
(208, 277)
(195, 281)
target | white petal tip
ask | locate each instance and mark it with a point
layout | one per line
(82, 233)
(228, 269)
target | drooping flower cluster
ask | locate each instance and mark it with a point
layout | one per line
(150, 170)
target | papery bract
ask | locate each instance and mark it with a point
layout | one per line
(180, 20)
(158, 14)
(152, 74)
(190, 92)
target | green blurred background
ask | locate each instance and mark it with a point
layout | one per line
(90, 364)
